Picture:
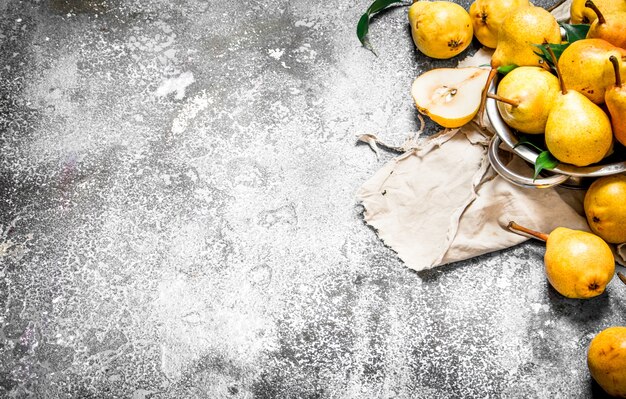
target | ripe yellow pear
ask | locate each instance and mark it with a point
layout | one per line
(585, 67)
(610, 26)
(605, 208)
(577, 130)
(532, 92)
(440, 29)
(519, 31)
(449, 96)
(487, 16)
(581, 14)
(606, 359)
(615, 100)
(578, 264)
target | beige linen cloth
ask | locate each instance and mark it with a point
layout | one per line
(441, 202)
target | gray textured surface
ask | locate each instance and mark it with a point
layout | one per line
(177, 217)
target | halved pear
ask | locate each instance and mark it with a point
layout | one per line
(450, 96)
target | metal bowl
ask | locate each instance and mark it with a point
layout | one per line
(563, 174)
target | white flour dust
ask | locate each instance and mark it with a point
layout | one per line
(176, 85)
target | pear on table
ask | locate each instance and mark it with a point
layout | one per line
(449, 96)
(609, 26)
(605, 208)
(606, 360)
(578, 264)
(440, 29)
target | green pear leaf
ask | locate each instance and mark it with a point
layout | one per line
(545, 55)
(575, 32)
(362, 27)
(545, 160)
(380, 5)
(523, 140)
(506, 69)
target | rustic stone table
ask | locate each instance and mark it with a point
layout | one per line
(178, 217)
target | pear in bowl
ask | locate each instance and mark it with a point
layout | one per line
(530, 92)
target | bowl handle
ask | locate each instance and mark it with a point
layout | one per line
(515, 178)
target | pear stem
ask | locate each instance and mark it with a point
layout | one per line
(556, 65)
(483, 98)
(621, 277)
(555, 6)
(521, 229)
(618, 77)
(496, 97)
(590, 4)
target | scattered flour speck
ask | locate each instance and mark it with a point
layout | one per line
(176, 85)
(276, 53)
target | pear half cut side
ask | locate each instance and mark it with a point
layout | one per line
(450, 96)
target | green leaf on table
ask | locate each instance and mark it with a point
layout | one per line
(506, 68)
(380, 5)
(545, 160)
(575, 32)
(362, 27)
